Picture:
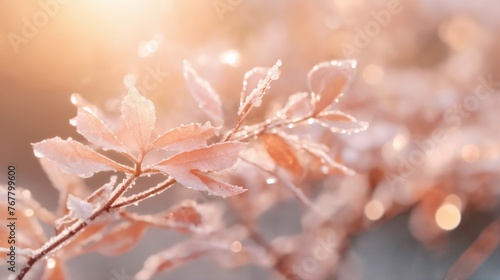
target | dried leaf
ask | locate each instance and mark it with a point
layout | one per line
(207, 98)
(338, 121)
(79, 207)
(282, 153)
(95, 130)
(328, 80)
(185, 138)
(253, 98)
(74, 157)
(299, 105)
(139, 116)
(119, 239)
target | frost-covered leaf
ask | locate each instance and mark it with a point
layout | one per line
(186, 216)
(65, 183)
(102, 194)
(216, 187)
(282, 153)
(299, 105)
(139, 116)
(186, 213)
(29, 232)
(207, 98)
(319, 151)
(185, 138)
(328, 80)
(95, 130)
(338, 121)
(259, 84)
(219, 246)
(74, 157)
(119, 239)
(79, 207)
(216, 157)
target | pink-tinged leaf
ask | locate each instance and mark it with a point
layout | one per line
(95, 130)
(75, 158)
(216, 187)
(119, 239)
(207, 98)
(187, 216)
(216, 157)
(328, 80)
(64, 183)
(79, 207)
(139, 116)
(319, 151)
(185, 138)
(282, 153)
(225, 247)
(259, 84)
(338, 121)
(299, 105)
(102, 194)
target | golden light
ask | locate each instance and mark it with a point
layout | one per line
(399, 142)
(372, 74)
(236, 246)
(458, 32)
(374, 210)
(26, 193)
(470, 153)
(51, 263)
(448, 216)
(230, 57)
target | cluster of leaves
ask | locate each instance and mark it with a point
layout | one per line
(202, 156)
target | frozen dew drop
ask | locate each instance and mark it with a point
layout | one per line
(38, 154)
(74, 99)
(310, 121)
(290, 125)
(73, 122)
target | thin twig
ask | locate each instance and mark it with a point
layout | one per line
(60, 239)
(145, 194)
